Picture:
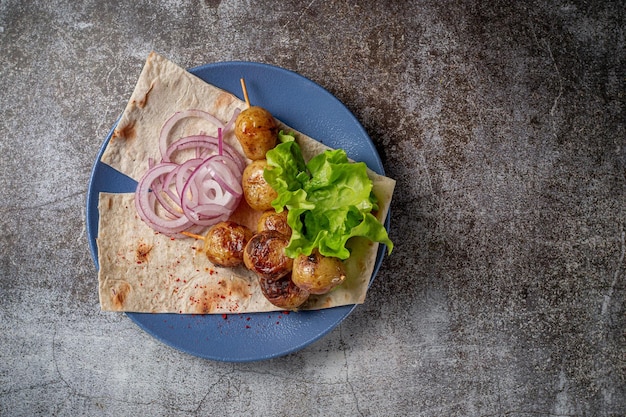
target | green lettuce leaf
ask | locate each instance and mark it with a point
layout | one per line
(329, 199)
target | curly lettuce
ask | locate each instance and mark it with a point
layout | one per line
(329, 199)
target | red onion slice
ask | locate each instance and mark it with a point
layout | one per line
(209, 144)
(169, 124)
(226, 174)
(202, 188)
(196, 193)
(145, 202)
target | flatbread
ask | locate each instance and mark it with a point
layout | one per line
(145, 271)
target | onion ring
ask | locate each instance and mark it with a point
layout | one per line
(198, 192)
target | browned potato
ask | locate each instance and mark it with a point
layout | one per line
(265, 255)
(271, 220)
(257, 132)
(257, 192)
(225, 242)
(283, 292)
(316, 273)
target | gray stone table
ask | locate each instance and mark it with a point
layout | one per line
(503, 124)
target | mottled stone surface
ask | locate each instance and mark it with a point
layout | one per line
(504, 125)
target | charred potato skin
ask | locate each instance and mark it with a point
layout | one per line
(316, 273)
(257, 132)
(271, 220)
(225, 243)
(283, 292)
(265, 254)
(257, 192)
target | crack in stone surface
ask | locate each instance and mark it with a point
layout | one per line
(618, 269)
(347, 366)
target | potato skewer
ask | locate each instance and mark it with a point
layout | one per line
(230, 244)
(256, 129)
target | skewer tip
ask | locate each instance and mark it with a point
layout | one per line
(193, 235)
(245, 92)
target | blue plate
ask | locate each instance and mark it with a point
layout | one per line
(308, 108)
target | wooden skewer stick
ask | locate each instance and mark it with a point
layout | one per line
(245, 92)
(193, 235)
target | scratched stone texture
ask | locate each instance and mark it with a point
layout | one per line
(503, 124)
